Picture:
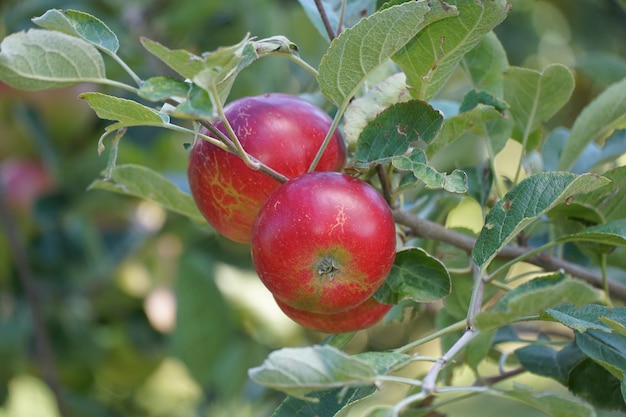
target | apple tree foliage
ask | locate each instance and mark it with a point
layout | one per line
(564, 210)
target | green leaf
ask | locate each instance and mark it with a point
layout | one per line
(455, 182)
(81, 25)
(612, 233)
(417, 276)
(361, 49)
(535, 296)
(354, 11)
(595, 123)
(323, 403)
(545, 361)
(486, 64)
(362, 110)
(126, 112)
(40, 59)
(142, 182)
(587, 317)
(551, 403)
(394, 129)
(534, 97)
(460, 124)
(607, 349)
(594, 383)
(609, 202)
(523, 204)
(431, 57)
(162, 88)
(217, 69)
(298, 371)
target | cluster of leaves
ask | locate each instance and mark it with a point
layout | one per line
(395, 128)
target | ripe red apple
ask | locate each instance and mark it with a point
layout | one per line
(23, 180)
(324, 242)
(282, 131)
(360, 317)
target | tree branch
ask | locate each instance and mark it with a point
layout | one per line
(324, 17)
(429, 230)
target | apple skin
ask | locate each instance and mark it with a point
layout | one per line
(356, 318)
(324, 242)
(280, 130)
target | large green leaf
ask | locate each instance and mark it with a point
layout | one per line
(597, 121)
(140, 181)
(416, 276)
(534, 96)
(361, 49)
(588, 317)
(534, 297)
(431, 57)
(612, 233)
(608, 202)
(41, 59)
(299, 371)
(81, 25)
(523, 204)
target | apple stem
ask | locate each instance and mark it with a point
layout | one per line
(328, 138)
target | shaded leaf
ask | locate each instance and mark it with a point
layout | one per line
(612, 233)
(142, 182)
(81, 25)
(359, 50)
(430, 58)
(535, 296)
(397, 127)
(595, 123)
(551, 403)
(485, 65)
(595, 384)
(609, 202)
(524, 203)
(162, 88)
(545, 361)
(40, 59)
(607, 349)
(362, 110)
(298, 371)
(416, 276)
(354, 11)
(534, 97)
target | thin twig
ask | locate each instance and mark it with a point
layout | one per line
(322, 11)
(429, 230)
(45, 356)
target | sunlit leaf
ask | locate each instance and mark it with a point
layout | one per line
(364, 109)
(361, 49)
(524, 203)
(140, 181)
(40, 59)
(587, 317)
(416, 276)
(125, 112)
(81, 25)
(298, 371)
(612, 233)
(430, 58)
(609, 202)
(595, 123)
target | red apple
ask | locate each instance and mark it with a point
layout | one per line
(324, 242)
(23, 180)
(282, 131)
(360, 317)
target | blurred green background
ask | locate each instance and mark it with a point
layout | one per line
(148, 313)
